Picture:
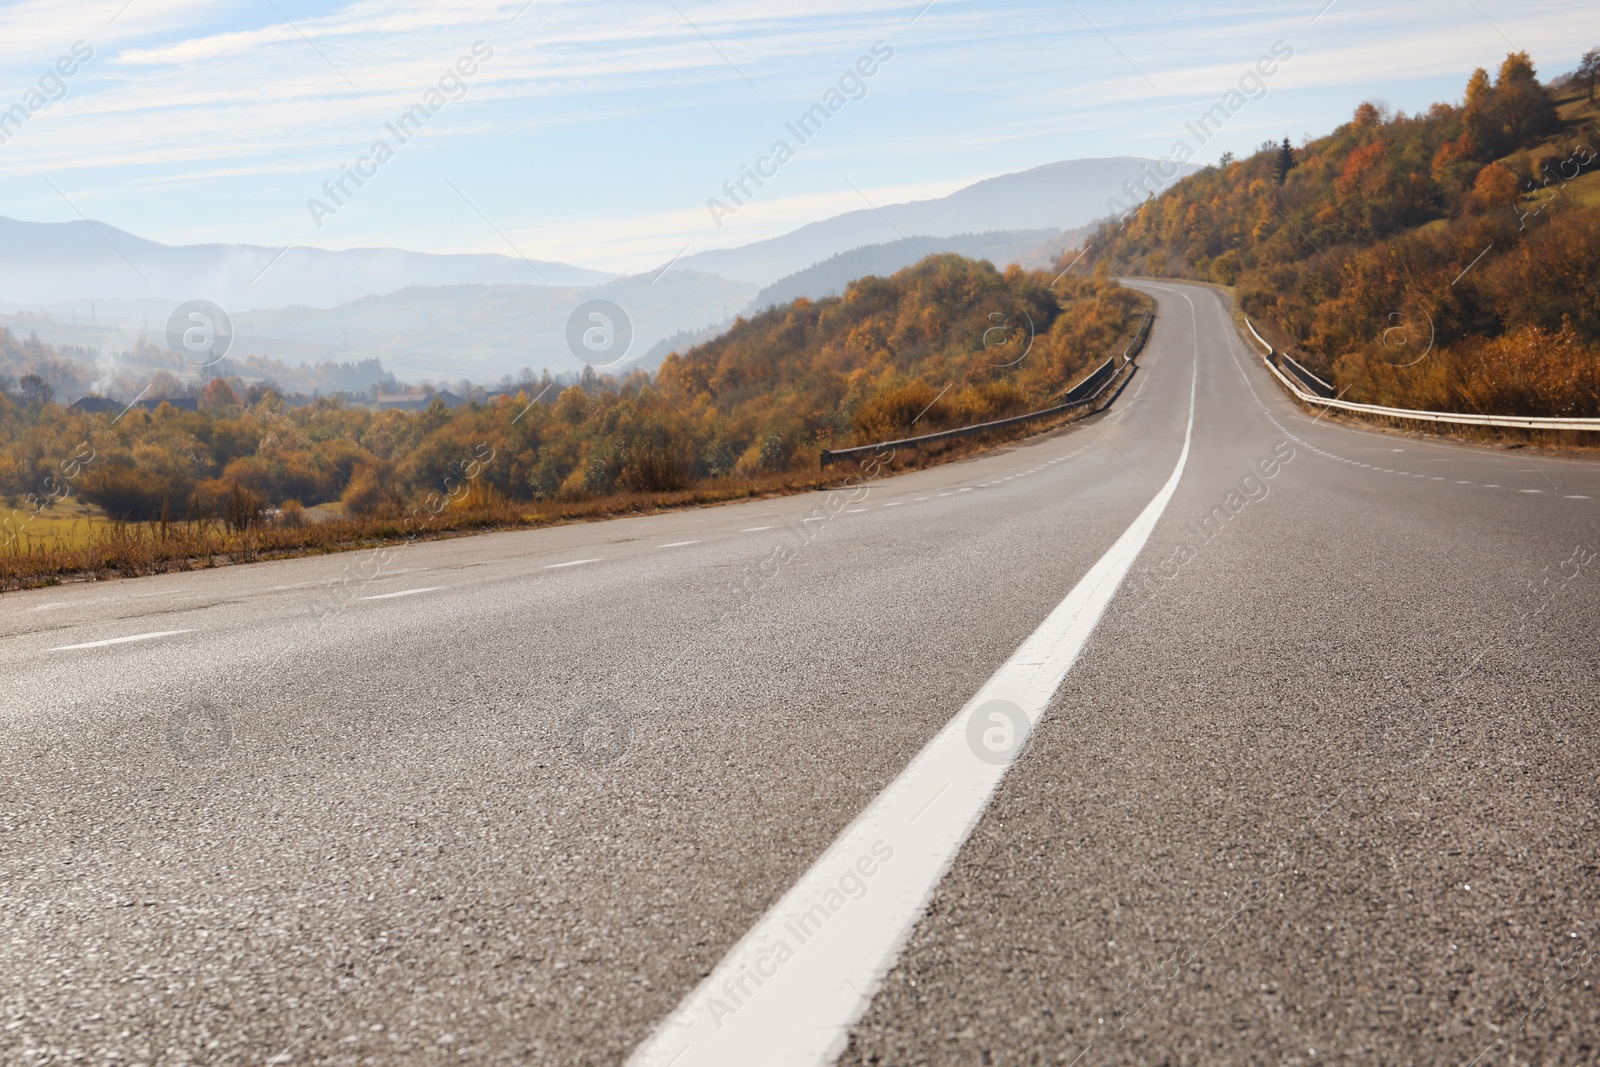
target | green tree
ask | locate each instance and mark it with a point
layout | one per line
(1285, 161)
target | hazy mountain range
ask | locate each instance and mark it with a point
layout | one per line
(67, 262)
(1059, 196)
(483, 315)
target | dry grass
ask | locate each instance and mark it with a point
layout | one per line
(70, 521)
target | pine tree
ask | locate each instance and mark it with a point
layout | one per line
(1285, 161)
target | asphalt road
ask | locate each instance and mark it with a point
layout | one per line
(1321, 784)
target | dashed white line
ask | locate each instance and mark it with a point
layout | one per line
(1576, 496)
(894, 503)
(119, 640)
(1533, 490)
(680, 544)
(404, 592)
(854, 511)
(758, 529)
(570, 563)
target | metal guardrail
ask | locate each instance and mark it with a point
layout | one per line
(1515, 422)
(1129, 354)
(1307, 379)
(1109, 368)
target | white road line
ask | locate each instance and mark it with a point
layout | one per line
(1576, 497)
(758, 529)
(404, 592)
(821, 953)
(894, 503)
(854, 511)
(680, 544)
(1533, 490)
(570, 563)
(119, 640)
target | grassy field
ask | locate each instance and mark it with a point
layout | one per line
(67, 522)
(1580, 126)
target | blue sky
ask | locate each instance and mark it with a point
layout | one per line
(595, 133)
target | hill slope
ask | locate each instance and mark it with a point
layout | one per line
(1447, 260)
(832, 275)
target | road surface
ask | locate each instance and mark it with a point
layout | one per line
(1295, 760)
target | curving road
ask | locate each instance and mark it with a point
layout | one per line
(1295, 761)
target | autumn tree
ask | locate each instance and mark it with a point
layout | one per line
(34, 391)
(1589, 70)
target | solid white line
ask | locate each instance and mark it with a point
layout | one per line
(572, 563)
(404, 592)
(119, 640)
(823, 949)
(680, 544)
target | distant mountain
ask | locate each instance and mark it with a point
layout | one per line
(72, 262)
(830, 277)
(1061, 196)
(484, 331)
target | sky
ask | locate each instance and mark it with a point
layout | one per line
(597, 133)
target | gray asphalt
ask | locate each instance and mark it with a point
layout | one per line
(514, 818)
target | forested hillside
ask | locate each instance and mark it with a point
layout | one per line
(943, 343)
(1448, 260)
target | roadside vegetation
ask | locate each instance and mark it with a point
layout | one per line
(1448, 260)
(247, 475)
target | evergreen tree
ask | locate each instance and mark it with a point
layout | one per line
(1285, 161)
